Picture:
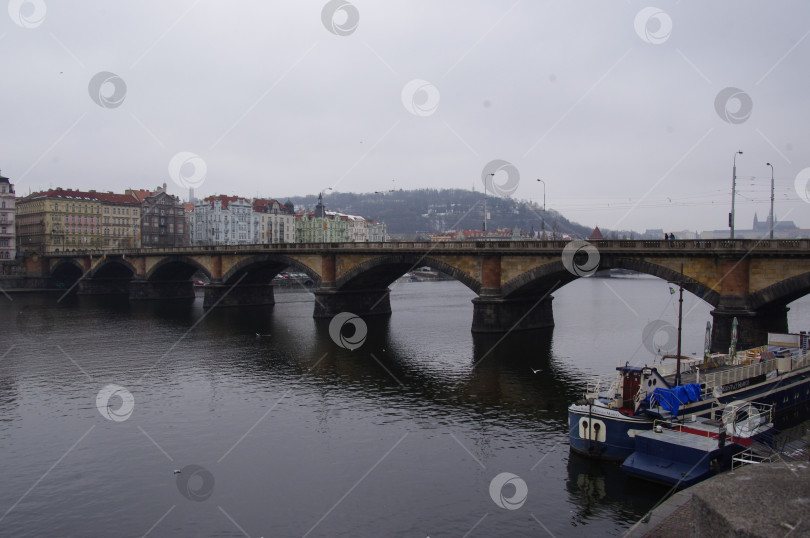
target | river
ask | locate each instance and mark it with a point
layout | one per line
(279, 431)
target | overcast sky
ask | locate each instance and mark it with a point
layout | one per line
(620, 108)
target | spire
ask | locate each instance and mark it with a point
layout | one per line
(319, 209)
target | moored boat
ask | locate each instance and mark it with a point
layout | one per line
(684, 453)
(605, 422)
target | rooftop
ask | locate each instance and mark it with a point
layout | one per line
(262, 205)
(223, 199)
(67, 194)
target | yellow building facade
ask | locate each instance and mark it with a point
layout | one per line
(65, 220)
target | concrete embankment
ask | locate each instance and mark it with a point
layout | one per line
(769, 499)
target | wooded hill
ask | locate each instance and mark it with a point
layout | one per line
(413, 214)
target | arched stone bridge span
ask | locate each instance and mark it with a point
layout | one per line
(751, 280)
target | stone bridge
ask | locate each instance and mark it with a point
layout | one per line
(748, 279)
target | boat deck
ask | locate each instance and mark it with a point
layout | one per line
(683, 454)
(764, 357)
(698, 442)
(690, 376)
(700, 435)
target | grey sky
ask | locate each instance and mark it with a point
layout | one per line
(623, 131)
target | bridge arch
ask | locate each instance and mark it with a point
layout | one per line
(66, 272)
(782, 293)
(700, 290)
(261, 268)
(113, 268)
(540, 279)
(380, 272)
(176, 268)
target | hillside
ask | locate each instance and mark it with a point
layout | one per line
(410, 214)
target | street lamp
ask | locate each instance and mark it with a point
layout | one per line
(544, 207)
(486, 178)
(733, 193)
(769, 164)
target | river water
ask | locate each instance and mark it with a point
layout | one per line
(279, 431)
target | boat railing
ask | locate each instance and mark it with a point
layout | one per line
(742, 372)
(601, 386)
(716, 407)
(747, 414)
(749, 457)
(735, 374)
(745, 410)
(743, 418)
(801, 360)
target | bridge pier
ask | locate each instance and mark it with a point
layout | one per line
(103, 286)
(144, 290)
(329, 302)
(753, 326)
(239, 295)
(499, 315)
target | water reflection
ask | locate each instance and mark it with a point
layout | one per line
(9, 395)
(520, 369)
(515, 377)
(497, 376)
(599, 488)
(472, 404)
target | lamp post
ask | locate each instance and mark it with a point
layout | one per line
(733, 192)
(544, 207)
(769, 164)
(486, 179)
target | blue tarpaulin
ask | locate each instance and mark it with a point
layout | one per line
(672, 399)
